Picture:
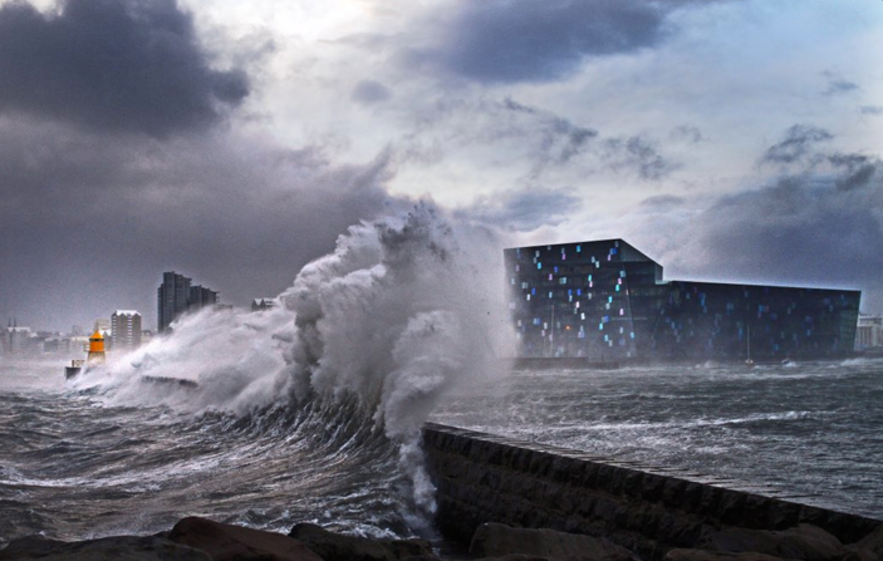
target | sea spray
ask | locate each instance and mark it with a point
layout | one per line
(398, 316)
(234, 356)
(370, 339)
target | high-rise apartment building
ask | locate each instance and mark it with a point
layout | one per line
(175, 296)
(125, 329)
(606, 301)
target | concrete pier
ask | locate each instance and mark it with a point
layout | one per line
(487, 478)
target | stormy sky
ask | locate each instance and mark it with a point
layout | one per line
(731, 140)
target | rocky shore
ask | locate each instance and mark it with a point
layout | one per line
(199, 539)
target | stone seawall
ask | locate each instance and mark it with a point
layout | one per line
(487, 478)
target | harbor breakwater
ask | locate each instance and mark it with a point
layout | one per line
(488, 478)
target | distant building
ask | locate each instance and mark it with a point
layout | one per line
(20, 340)
(262, 304)
(125, 329)
(869, 333)
(175, 296)
(606, 301)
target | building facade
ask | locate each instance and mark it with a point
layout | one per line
(869, 334)
(263, 304)
(125, 329)
(176, 295)
(606, 301)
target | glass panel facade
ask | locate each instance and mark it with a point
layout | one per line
(606, 301)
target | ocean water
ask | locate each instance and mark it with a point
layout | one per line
(75, 463)
(312, 411)
(812, 432)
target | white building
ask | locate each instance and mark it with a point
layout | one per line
(869, 333)
(262, 304)
(125, 329)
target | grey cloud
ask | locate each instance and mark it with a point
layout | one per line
(802, 229)
(507, 41)
(529, 137)
(798, 141)
(89, 223)
(523, 210)
(368, 92)
(660, 202)
(858, 171)
(871, 110)
(686, 133)
(637, 153)
(839, 85)
(113, 65)
(560, 140)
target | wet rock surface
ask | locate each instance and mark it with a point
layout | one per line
(199, 539)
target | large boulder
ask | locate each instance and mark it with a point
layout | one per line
(804, 542)
(123, 548)
(872, 543)
(226, 542)
(337, 547)
(498, 540)
(705, 555)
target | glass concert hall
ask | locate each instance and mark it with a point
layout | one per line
(606, 301)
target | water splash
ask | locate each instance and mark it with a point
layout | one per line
(404, 311)
(398, 316)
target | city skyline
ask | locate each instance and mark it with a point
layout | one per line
(733, 140)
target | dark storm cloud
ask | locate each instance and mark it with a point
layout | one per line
(507, 41)
(798, 142)
(113, 65)
(89, 223)
(523, 210)
(368, 92)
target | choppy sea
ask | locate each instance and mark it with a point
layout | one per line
(74, 466)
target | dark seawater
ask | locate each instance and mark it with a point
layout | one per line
(72, 467)
(811, 431)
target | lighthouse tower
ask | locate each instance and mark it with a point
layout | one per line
(96, 349)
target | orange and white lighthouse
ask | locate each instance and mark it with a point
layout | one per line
(96, 349)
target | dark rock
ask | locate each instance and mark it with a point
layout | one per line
(496, 540)
(336, 547)
(705, 555)
(804, 542)
(226, 542)
(872, 543)
(517, 557)
(129, 548)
